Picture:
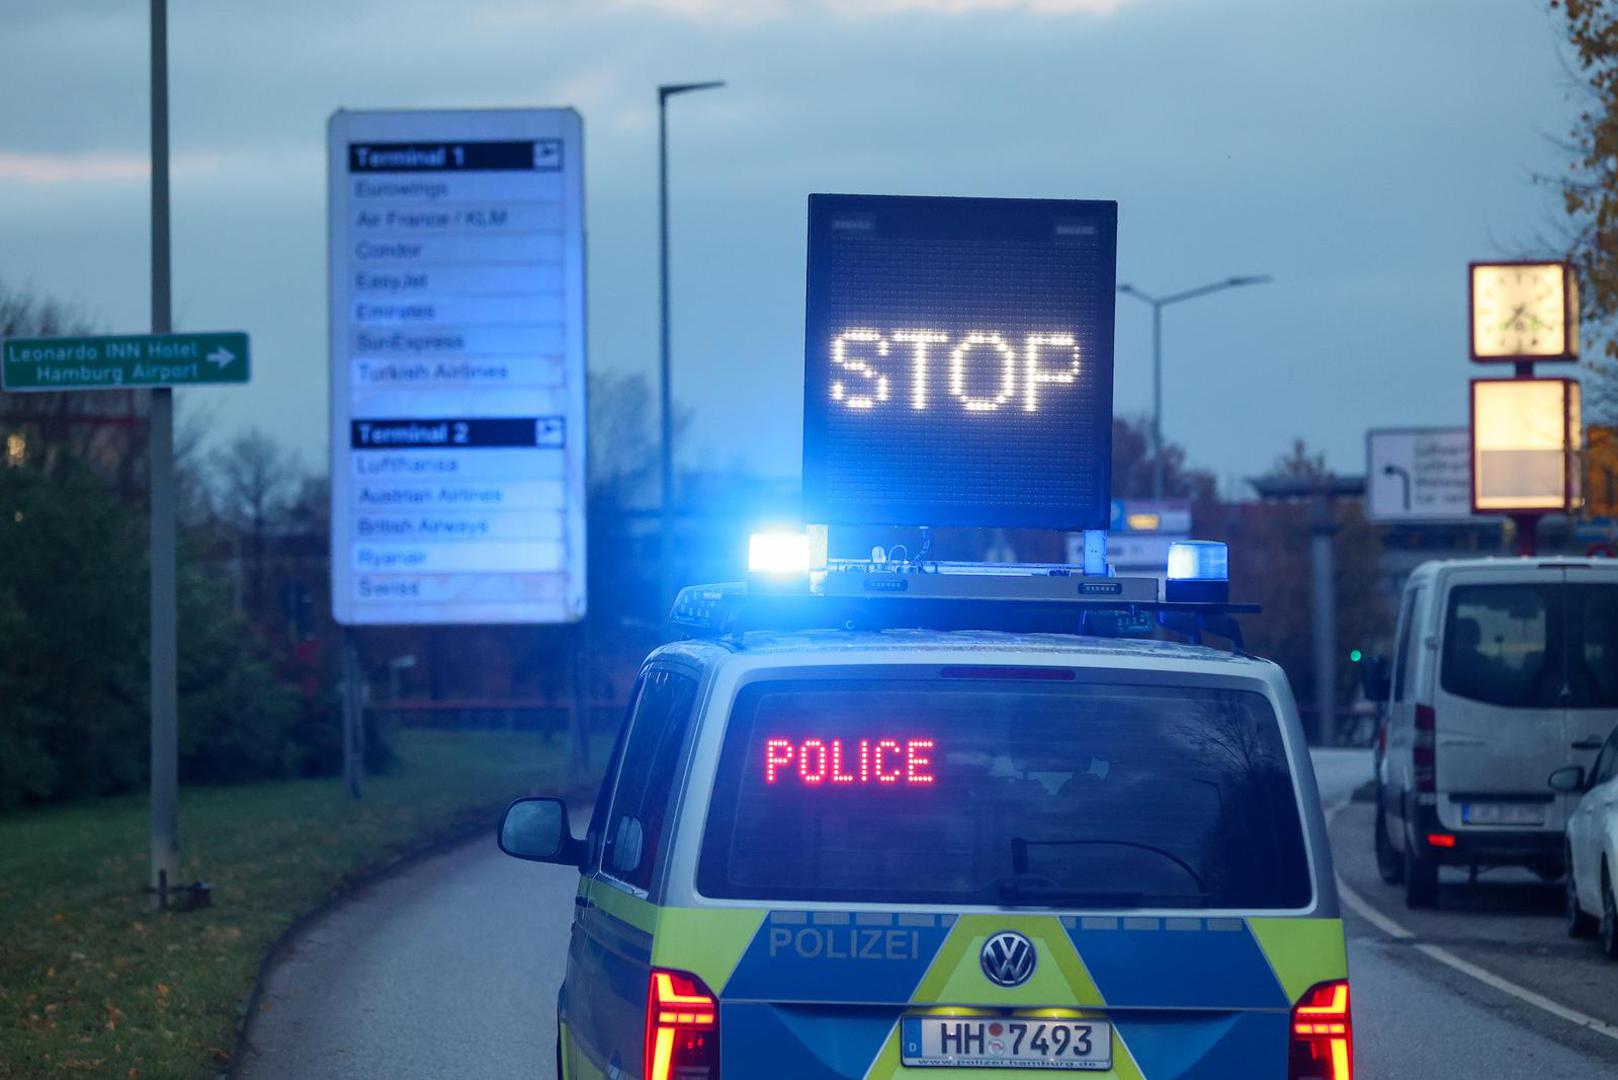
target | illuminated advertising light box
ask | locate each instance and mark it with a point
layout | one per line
(958, 361)
(1525, 445)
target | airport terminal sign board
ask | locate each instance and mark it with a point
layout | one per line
(457, 367)
(958, 361)
(123, 362)
(1418, 475)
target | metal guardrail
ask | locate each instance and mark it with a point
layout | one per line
(492, 714)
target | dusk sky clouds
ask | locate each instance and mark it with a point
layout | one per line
(1361, 152)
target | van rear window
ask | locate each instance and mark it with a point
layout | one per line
(1532, 646)
(1000, 792)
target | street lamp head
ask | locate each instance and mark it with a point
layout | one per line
(1250, 279)
(668, 90)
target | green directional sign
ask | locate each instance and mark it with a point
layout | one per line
(128, 360)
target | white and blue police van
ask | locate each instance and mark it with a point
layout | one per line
(945, 820)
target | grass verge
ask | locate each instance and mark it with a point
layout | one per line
(93, 983)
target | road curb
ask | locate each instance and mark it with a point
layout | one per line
(343, 894)
(339, 896)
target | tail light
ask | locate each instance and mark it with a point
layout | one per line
(1425, 750)
(1322, 1035)
(682, 1028)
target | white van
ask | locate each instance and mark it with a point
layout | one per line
(1504, 670)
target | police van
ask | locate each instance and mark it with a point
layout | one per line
(921, 820)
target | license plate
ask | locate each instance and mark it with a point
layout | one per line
(1006, 1042)
(1503, 813)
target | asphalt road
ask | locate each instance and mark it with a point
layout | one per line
(450, 969)
(1415, 1016)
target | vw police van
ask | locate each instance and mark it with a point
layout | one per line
(924, 823)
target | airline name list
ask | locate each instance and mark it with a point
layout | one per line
(454, 273)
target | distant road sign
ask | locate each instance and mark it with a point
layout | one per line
(1163, 517)
(123, 361)
(457, 367)
(1418, 475)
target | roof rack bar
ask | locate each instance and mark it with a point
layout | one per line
(733, 608)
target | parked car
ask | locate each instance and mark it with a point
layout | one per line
(1504, 671)
(1592, 847)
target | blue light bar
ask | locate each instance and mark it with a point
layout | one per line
(1199, 560)
(1198, 572)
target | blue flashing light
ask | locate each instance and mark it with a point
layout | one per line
(1198, 572)
(1199, 560)
(778, 553)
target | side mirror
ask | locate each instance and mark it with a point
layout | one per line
(1569, 779)
(536, 829)
(1375, 679)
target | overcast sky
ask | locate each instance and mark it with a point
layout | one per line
(1361, 151)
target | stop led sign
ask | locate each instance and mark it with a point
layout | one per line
(958, 361)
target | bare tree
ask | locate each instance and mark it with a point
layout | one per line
(256, 477)
(103, 427)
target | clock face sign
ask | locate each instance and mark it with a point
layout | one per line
(1521, 311)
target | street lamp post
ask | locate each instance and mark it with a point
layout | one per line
(1158, 304)
(665, 393)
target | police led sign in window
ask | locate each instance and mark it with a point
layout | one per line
(878, 762)
(958, 361)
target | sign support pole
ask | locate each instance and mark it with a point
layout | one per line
(579, 640)
(353, 717)
(665, 551)
(1525, 539)
(1525, 527)
(1323, 612)
(165, 830)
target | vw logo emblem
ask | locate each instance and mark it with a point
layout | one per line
(1008, 958)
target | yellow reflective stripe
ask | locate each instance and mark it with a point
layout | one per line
(707, 942)
(641, 914)
(1302, 952)
(576, 1066)
(887, 1065)
(956, 977)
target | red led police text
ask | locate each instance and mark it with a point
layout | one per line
(891, 762)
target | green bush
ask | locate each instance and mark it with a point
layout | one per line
(72, 636)
(236, 717)
(73, 656)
